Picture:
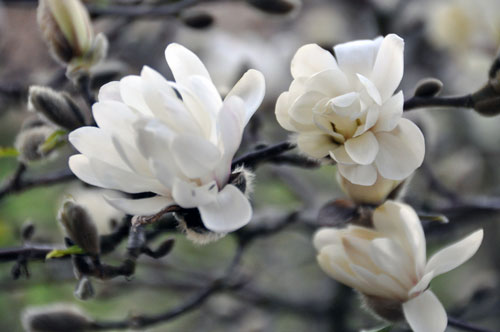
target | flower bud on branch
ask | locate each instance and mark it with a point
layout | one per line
(57, 107)
(56, 318)
(79, 226)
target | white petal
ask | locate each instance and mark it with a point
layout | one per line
(116, 119)
(194, 155)
(251, 89)
(401, 151)
(311, 59)
(364, 175)
(190, 195)
(131, 93)
(231, 210)
(281, 112)
(357, 57)
(362, 149)
(379, 284)
(140, 207)
(371, 117)
(184, 63)
(206, 92)
(315, 144)
(392, 259)
(389, 65)
(131, 157)
(400, 221)
(340, 155)
(302, 109)
(422, 284)
(454, 255)
(345, 100)
(110, 91)
(80, 166)
(96, 143)
(330, 82)
(371, 89)
(390, 113)
(425, 313)
(325, 237)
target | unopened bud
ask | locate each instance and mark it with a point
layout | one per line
(79, 227)
(428, 87)
(29, 143)
(35, 120)
(488, 107)
(337, 213)
(276, 6)
(55, 318)
(67, 30)
(57, 107)
(84, 289)
(388, 309)
(196, 19)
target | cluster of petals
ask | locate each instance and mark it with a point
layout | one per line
(345, 107)
(389, 261)
(173, 140)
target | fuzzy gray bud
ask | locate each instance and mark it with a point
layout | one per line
(488, 107)
(84, 289)
(196, 19)
(79, 227)
(57, 107)
(275, 6)
(428, 87)
(56, 318)
(387, 309)
(29, 143)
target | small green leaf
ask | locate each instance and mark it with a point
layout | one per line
(57, 253)
(8, 152)
(386, 328)
(55, 140)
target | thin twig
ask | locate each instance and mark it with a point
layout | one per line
(251, 159)
(454, 102)
(465, 326)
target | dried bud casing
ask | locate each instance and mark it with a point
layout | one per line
(79, 227)
(29, 143)
(278, 7)
(56, 318)
(488, 107)
(196, 19)
(57, 107)
(388, 309)
(486, 101)
(428, 87)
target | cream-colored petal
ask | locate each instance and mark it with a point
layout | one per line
(425, 313)
(362, 149)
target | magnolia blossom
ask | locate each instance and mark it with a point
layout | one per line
(345, 108)
(150, 140)
(388, 263)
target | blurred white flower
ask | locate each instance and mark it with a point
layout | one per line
(344, 108)
(388, 264)
(150, 140)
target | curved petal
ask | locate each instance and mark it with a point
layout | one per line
(190, 195)
(399, 221)
(131, 93)
(281, 112)
(389, 65)
(110, 91)
(315, 144)
(251, 89)
(364, 175)
(311, 59)
(184, 63)
(379, 284)
(302, 108)
(341, 156)
(390, 113)
(206, 92)
(357, 57)
(454, 255)
(194, 155)
(96, 143)
(230, 210)
(140, 207)
(362, 149)
(330, 82)
(371, 89)
(422, 284)
(401, 151)
(389, 256)
(325, 237)
(116, 119)
(80, 166)
(425, 313)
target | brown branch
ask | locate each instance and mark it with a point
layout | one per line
(455, 102)
(251, 159)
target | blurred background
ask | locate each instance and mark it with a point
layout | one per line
(453, 40)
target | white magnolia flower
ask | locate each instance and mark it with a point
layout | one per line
(388, 263)
(344, 108)
(149, 140)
